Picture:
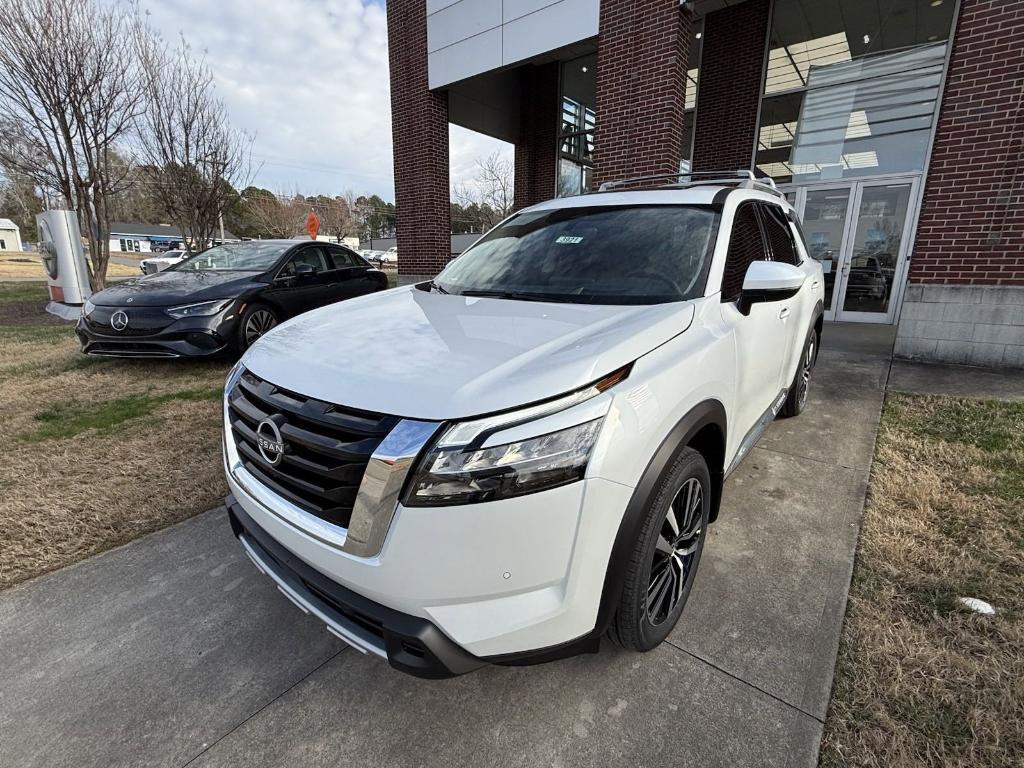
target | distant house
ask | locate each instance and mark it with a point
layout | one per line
(10, 236)
(135, 237)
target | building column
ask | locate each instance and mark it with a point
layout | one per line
(729, 88)
(641, 68)
(965, 299)
(536, 163)
(419, 127)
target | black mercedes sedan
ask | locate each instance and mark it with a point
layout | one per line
(223, 299)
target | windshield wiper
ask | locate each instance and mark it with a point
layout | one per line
(436, 287)
(514, 295)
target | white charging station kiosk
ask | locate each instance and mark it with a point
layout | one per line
(60, 246)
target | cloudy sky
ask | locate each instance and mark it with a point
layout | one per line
(310, 79)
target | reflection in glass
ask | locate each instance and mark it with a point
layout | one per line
(690, 93)
(851, 87)
(876, 248)
(825, 212)
(577, 123)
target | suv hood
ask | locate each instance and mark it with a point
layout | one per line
(165, 289)
(432, 356)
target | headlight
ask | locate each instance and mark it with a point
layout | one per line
(88, 307)
(465, 476)
(202, 309)
(459, 468)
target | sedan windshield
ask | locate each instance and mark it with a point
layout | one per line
(250, 256)
(596, 255)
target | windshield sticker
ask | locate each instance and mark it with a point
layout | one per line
(568, 239)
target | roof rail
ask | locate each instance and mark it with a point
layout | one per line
(740, 178)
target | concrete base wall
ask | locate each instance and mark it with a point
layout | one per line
(966, 324)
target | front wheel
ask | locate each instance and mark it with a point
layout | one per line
(666, 555)
(796, 401)
(256, 320)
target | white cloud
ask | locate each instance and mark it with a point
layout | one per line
(310, 79)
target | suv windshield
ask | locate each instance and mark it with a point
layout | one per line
(250, 256)
(596, 255)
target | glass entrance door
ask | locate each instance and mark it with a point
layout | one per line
(859, 231)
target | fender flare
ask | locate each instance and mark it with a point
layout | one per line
(704, 413)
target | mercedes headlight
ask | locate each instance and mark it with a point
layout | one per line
(202, 309)
(88, 307)
(461, 467)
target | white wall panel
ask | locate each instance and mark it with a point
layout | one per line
(470, 37)
(466, 58)
(513, 9)
(553, 26)
(433, 6)
(461, 21)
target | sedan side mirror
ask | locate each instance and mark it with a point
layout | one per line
(304, 270)
(769, 281)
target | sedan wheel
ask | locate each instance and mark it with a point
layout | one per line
(675, 552)
(258, 323)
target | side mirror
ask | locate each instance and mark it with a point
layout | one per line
(304, 270)
(769, 281)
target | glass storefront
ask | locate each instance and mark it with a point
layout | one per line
(851, 94)
(851, 88)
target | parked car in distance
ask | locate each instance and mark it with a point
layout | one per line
(164, 247)
(223, 299)
(157, 263)
(867, 280)
(506, 463)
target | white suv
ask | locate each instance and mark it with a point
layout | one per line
(507, 463)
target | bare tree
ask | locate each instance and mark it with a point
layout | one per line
(488, 198)
(495, 178)
(194, 158)
(66, 99)
(273, 215)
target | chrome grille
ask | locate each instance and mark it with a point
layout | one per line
(327, 447)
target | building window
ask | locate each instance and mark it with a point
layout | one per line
(3, 245)
(129, 245)
(690, 93)
(577, 122)
(851, 94)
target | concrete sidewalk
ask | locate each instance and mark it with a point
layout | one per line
(173, 650)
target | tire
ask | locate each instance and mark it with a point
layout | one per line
(256, 320)
(640, 624)
(796, 400)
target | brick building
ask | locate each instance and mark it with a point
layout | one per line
(896, 128)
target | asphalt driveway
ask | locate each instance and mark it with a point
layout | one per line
(173, 651)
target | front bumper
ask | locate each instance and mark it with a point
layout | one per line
(189, 337)
(510, 581)
(410, 644)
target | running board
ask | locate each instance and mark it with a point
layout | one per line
(757, 430)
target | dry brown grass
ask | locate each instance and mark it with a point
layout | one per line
(98, 452)
(28, 264)
(920, 680)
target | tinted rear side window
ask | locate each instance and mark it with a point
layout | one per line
(745, 246)
(780, 236)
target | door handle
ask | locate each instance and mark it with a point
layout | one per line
(815, 284)
(784, 313)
